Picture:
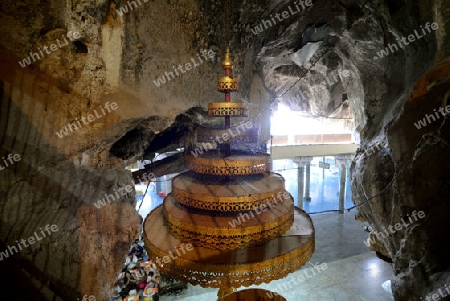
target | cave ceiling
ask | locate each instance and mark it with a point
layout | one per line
(313, 61)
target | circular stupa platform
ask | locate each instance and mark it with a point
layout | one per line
(237, 164)
(227, 195)
(216, 268)
(221, 109)
(231, 231)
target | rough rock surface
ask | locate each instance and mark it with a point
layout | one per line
(322, 60)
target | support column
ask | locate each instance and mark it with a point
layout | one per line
(323, 169)
(300, 180)
(271, 152)
(159, 180)
(342, 185)
(308, 182)
(302, 162)
(342, 162)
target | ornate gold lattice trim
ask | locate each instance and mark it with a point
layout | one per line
(234, 275)
(229, 238)
(237, 195)
(227, 83)
(221, 109)
(228, 166)
(223, 203)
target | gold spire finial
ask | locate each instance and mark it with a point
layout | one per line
(227, 63)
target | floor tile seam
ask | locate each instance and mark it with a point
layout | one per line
(341, 286)
(337, 283)
(348, 257)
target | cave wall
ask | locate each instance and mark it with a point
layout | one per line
(58, 180)
(117, 58)
(55, 182)
(407, 174)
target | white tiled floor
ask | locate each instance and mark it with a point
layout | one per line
(353, 273)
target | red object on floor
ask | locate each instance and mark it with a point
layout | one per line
(162, 194)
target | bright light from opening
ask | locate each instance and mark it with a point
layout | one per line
(284, 121)
(287, 122)
(373, 267)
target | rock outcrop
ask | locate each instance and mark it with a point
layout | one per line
(337, 59)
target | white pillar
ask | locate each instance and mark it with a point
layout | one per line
(342, 162)
(301, 162)
(342, 185)
(300, 180)
(308, 182)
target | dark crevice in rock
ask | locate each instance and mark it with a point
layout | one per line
(290, 70)
(315, 33)
(142, 140)
(80, 47)
(395, 6)
(14, 277)
(132, 143)
(175, 136)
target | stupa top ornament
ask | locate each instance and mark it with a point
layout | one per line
(227, 63)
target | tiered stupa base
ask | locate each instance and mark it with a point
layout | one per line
(238, 163)
(216, 268)
(233, 220)
(228, 195)
(231, 231)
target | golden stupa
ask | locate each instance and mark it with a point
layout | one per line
(238, 219)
